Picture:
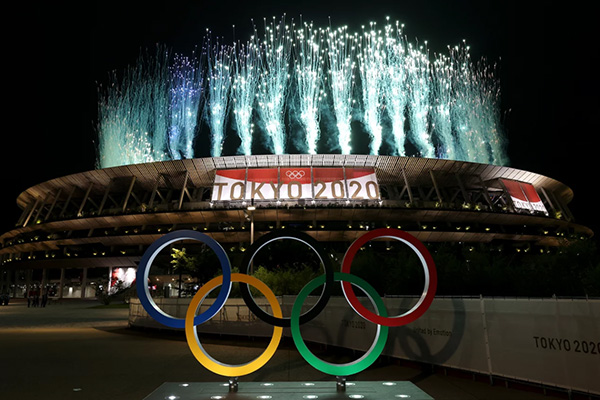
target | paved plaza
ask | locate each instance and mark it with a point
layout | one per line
(78, 350)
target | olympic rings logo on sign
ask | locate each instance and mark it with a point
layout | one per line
(381, 318)
(294, 174)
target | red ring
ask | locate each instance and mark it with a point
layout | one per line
(428, 267)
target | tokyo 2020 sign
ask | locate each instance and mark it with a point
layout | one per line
(349, 283)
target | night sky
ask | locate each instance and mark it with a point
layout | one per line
(57, 55)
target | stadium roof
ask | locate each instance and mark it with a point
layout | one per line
(201, 171)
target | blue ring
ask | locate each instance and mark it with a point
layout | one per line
(144, 268)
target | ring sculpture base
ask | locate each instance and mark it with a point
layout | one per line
(366, 390)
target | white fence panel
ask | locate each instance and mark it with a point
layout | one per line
(554, 342)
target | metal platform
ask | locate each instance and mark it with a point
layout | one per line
(375, 390)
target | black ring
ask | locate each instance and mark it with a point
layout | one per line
(317, 248)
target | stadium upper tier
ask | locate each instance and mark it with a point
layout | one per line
(108, 216)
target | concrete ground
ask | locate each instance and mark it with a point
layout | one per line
(76, 350)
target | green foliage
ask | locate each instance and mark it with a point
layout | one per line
(281, 255)
(182, 262)
(201, 266)
(463, 269)
(389, 272)
(235, 289)
(591, 281)
(485, 269)
(285, 281)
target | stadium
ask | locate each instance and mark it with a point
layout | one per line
(334, 134)
(78, 230)
(245, 138)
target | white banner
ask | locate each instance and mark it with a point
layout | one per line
(362, 184)
(546, 341)
(229, 185)
(524, 196)
(262, 184)
(448, 334)
(294, 183)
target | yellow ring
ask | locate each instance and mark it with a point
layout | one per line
(192, 335)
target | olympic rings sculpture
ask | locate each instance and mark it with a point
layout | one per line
(297, 318)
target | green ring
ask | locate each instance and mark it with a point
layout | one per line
(353, 367)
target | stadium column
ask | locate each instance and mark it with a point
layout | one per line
(14, 274)
(109, 280)
(4, 281)
(44, 281)
(407, 186)
(28, 273)
(8, 281)
(62, 283)
(435, 186)
(83, 282)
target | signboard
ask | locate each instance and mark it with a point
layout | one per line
(533, 197)
(294, 183)
(229, 185)
(524, 196)
(362, 183)
(262, 184)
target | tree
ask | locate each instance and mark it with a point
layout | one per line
(201, 264)
(183, 263)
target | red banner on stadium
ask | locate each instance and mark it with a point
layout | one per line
(296, 183)
(329, 183)
(524, 196)
(262, 184)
